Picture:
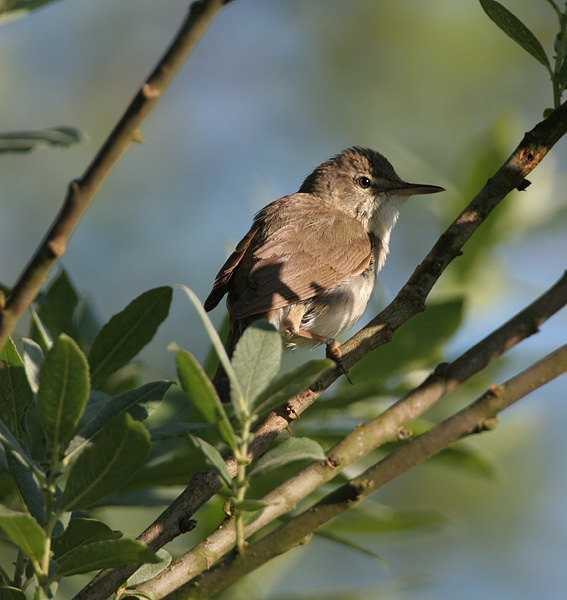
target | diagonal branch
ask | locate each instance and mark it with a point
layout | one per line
(365, 438)
(82, 191)
(477, 417)
(410, 300)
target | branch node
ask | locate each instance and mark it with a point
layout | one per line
(524, 185)
(404, 434)
(441, 369)
(150, 92)
(486, 425)
(186, 525)
(57, 248)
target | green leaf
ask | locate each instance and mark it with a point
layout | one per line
(16, 397)
(63, 390)
(179, 429)
(256, 359)
(138, 403)
(57, 307)
(339, 539)
(33, 359)
(215, 340)
(127, 333)
(202, 393)
(291, 450)
(11, 593)
(106, 554)
(118, 451)
(212, 360)
(39, 332)
(24, 141)
(28, 486)
(10, 354)
(288, 385)
(81, 532)
(370, 517)
(416, 344)
(149, 571)
(215, 459)
(468, 456)
(515, 29)
(24, 531)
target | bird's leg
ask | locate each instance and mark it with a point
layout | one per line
(333, 346)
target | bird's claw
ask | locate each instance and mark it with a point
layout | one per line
(334, 353)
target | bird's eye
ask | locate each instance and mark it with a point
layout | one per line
(364, 182)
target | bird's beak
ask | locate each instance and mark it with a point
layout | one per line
(411, 189)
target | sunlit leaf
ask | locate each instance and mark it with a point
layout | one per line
(215, 459)
(63, 390)
(148, 571)
(24, 531)
(256, 359)
(33, 359)
(201, 392)
(291, 450)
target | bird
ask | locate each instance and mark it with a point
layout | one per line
(309, 262)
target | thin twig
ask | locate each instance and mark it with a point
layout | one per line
(477, 417)
(365, 438)
(82, 191)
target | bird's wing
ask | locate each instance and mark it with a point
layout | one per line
(224, 276)
(299, 260)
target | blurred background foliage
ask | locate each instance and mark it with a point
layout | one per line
(273, 89)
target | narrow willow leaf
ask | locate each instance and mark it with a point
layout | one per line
(105, 554)
(28, 486)
(291, 450)
(215, 340)
(515, 29)
(138, 402)
(215, 459)
(256, 359)
(288, 385)
(24, 531)
(330, 535)
(63, 390)
(148, 571)
(33, 359)
(80, 532)
(24, 141)
(118, 451)
(202, 393)
(370, 517)
(127, 333)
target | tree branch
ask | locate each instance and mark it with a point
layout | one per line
(410, 300)
(82, 191)
(477, 417)
(364, 439)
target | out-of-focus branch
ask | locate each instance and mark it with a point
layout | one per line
(365, 438)
(477, 417)
(82, 191)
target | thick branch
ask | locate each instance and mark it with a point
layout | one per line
(477, 417)
(82, 191)
(365, 438)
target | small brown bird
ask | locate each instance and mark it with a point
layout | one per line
(309, 262)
